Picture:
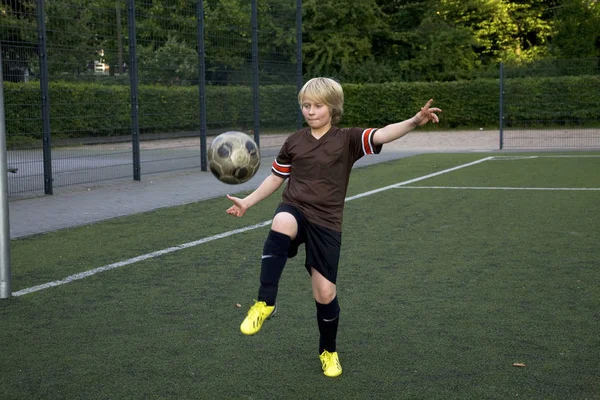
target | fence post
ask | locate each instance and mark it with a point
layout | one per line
(202, 82)
(255, 71)
(5, 275)
(46, 143)
(133, 79)
(119, 37)
(299, 117)
(501, 105)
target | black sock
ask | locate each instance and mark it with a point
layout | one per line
(328, 317)
(275, 255)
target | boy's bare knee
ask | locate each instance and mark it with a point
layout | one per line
(324, 291)
(285, 223)
(325, 296)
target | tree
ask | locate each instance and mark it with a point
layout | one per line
(338, 34)
(277, 40)
(422, 39)
(403, 18)
(439, 52)
(17, 28)
(174, 62)
(228, 38)
(577, 29)
(74, 35)
(503, 30)
(166, 41)
(359, 41)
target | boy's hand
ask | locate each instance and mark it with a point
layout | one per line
(427, 114)
(238, 208)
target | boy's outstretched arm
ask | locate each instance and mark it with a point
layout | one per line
(395, 131)
(266, 188)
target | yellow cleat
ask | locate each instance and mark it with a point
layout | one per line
(330, 362)
(257, 314)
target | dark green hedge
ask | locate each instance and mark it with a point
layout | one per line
(540, 102)
(94, 110)
(468, 104)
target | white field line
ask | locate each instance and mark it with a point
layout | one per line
(512, 158)
(492, 188)
(159, 253)
(396, 185)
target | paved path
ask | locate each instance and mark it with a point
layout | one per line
(85, 204)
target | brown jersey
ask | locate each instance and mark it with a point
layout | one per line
(319, 171)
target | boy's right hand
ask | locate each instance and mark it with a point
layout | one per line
(238, 208)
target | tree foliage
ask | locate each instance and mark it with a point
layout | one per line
(577, 29)
(338, 34)
(356, 41)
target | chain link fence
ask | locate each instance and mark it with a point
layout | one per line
(119, 88)
(550, 104)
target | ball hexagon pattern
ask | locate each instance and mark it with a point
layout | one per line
(233, 157)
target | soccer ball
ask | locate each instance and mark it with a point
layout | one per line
(233, 157)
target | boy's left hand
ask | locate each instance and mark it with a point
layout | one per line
(427, 114)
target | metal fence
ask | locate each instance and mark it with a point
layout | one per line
(120, 88)
(550, 104)
(111, 77)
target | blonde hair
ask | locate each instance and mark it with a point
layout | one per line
(326, 91)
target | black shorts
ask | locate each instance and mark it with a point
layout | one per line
(322, 244)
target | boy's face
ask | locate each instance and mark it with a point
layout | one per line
(316, 114)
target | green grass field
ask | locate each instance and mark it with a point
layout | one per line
(445, 283)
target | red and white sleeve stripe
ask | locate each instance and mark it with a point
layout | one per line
(367, 141)
(281, 169)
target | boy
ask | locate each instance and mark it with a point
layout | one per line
(317, 161)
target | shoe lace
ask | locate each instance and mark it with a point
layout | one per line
(256, 309)
(329, 360)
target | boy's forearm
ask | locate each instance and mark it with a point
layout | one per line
(392, 132)
(266, 188)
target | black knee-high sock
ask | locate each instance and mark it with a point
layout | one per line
(275, 255)
(328, 317)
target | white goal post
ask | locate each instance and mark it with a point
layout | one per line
(5, 276)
